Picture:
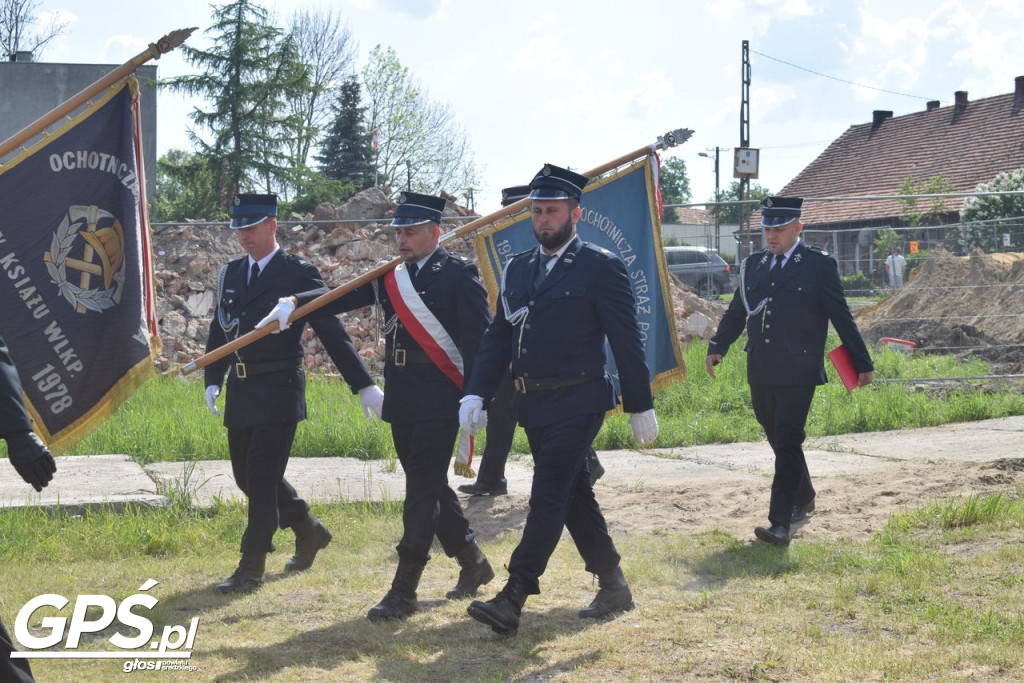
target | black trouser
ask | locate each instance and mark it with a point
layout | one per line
(13, 670)
(431, 506)
(782, 412)
(501, 428)
(562, 497)
(259, 456)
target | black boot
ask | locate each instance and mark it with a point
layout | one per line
(311, 536)
(502, 613)
(249, 575)
(613, 597)
(400, 601)
(476, 571)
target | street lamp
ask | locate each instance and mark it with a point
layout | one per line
(718, 209)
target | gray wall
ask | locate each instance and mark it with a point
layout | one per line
(29, 90)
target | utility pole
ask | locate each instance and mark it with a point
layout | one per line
(744, 187)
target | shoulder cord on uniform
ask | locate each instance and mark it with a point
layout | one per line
(385, 327)
(514, 318)
(228, 327)
(231, 326)
(743, 292)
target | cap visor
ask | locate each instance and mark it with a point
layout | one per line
(407, 221)
(776, 221)
(241, 222)
(549, 193)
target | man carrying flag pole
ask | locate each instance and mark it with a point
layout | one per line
(434, 311)
(558, 304)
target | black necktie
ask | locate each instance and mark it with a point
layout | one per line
(542, 268)
(254, 273)
(776, 268)
(413, 269)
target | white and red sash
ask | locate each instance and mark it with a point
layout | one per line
(427, 331)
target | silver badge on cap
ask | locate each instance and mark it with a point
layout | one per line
(768, 202)
(237, 201)
(547, 170)
(401, 198)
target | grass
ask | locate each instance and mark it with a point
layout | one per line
(167, 420)
(936, 595)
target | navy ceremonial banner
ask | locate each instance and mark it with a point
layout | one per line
(620, 214)
(76, 265)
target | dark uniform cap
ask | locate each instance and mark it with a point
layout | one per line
(778, 211)
(249, 209)
(511, 195)
(553, 182)
(414, 208)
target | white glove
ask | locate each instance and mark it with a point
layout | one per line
(372, 399)
(212, 392)
(281, 312)
(645, 426)
(472, 416)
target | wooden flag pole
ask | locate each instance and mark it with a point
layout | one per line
(671, 139)
(154, 51)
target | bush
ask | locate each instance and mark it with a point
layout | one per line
(857, 284)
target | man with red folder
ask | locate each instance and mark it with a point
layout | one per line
(788, 294)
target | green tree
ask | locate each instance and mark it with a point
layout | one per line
(186, 187)
(913, 215)
(985, 219)
(346, 151)
(420, 143)
(248, 74)
(731, 214)
(674, 185)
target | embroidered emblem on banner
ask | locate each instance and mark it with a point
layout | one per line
(88, 246)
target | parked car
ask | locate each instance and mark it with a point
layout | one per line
(700, 269)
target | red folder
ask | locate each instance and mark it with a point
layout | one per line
(843, 362)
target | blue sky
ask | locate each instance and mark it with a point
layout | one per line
(579, 83)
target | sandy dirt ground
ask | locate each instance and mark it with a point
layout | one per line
(860, 480)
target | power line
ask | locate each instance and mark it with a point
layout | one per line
(841, 80)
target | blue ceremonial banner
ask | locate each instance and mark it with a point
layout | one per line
(76, 264)
(620, 213)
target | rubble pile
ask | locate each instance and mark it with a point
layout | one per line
(968, 306)
(352, 241)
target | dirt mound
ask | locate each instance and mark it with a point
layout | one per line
(968, 306)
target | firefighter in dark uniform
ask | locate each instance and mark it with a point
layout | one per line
(501, 418)
(789, 292)
(427, 357)
(558, 305)
(266, 388)
(33, 462)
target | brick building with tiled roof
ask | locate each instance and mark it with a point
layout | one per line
(967, 143)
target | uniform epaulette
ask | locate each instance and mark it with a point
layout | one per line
(598, 248)
(460, 257)
(817, 249)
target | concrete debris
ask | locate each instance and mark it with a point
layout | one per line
(188, 261)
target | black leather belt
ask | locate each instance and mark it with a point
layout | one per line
(526, 384)
(402, 357)
(245, 370)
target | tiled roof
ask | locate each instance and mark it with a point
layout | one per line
(968, 148)
(692, 216)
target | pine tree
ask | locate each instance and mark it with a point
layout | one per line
(347, 152)
(248, 73)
